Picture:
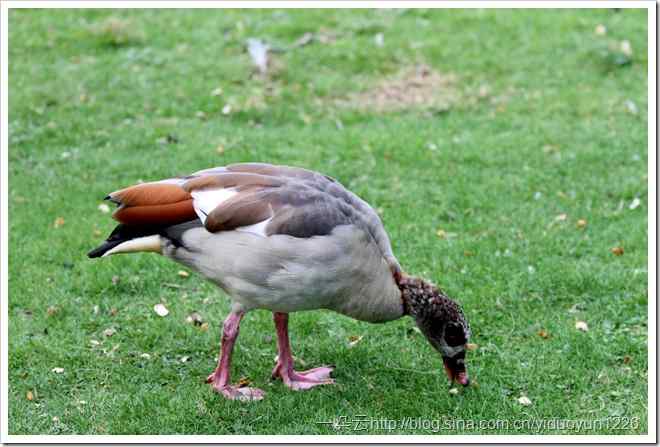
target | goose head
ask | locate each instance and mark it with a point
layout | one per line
(441, 320)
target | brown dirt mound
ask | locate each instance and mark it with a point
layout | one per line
(419, 87)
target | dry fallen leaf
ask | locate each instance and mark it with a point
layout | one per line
(626, 48)
(29, 396)
(524, 400)
(581, 326)
(58, 370)
(52, 310)
(627, 359)
(550, 148)
(204, 327)
(161, 310)
(195, 318)
(442, 234)
(354, 340)
(109, 332)
(244, 381)
(472, 346)
(104, 208)
(111, 352)
(183, 273)
(543, 333)
(631, 107)
(220, 149)
(304, 40)
(58, 222)
(617, 251)
(581, 223)
(575, 308)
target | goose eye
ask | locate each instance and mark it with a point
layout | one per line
(454, 335)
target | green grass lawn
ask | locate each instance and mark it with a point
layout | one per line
(537, 126)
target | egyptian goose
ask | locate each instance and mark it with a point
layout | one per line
(283, 239)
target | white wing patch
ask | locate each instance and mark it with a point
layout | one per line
(259, 228)
(205, 201)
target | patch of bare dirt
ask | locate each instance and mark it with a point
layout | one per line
(117, 32)
(419, 87)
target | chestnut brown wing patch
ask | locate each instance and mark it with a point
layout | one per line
(165, 214)
(150, 194)
(160, 203)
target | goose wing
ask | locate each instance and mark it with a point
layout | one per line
(260, 198)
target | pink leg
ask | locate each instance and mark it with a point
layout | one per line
(284, 367)
(220, 377)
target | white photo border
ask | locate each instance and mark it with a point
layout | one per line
(651, 8)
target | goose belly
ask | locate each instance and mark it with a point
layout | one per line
(343, 271)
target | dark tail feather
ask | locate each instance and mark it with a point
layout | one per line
(101, 249)
(123, 233)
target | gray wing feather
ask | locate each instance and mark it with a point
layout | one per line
(301, 203)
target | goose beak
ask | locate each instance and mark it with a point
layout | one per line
(456, 371)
